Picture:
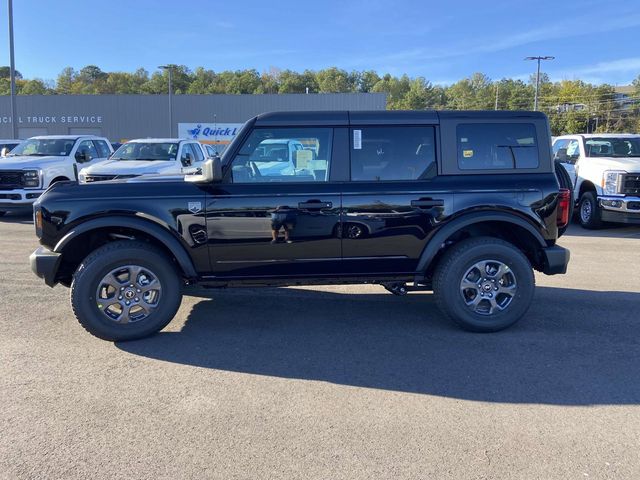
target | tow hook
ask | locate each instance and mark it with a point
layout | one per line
(399, 289)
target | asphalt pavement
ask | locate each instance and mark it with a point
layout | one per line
(328, 382)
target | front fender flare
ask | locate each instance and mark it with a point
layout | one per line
(158, 232)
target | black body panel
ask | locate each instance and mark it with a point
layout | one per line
(284, 233)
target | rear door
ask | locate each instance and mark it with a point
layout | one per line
(267, 219)
(393, 200)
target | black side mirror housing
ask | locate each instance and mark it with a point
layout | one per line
(82, 157)
(187, 161)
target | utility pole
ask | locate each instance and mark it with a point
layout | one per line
(169, 68)
(12, 72)
(496, 107)
(535, 101)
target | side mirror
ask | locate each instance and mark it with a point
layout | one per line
(187, 160)
(211, 172)
(82, 157)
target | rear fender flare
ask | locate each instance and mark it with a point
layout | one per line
(436, 242)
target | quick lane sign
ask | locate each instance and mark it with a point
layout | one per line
(216, 133)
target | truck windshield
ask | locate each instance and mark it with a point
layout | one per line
(58, 147)
(613, 147)
(151, 151)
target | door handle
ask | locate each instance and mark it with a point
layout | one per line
(422, 203)
(315, 205)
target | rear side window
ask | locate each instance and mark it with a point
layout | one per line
(496, 146)
(392, 153)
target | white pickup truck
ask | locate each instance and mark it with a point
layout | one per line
(605, 172)
(40, 161)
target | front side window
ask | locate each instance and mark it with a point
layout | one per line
(284, 155)
(496, 146)
(87, 148)
(151, 151)
(199, 156)
(573, 150)
(103, 148)
(392, 153)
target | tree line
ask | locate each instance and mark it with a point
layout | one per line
(573, 106)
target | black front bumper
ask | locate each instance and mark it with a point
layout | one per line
(45, 263)
(555, 260)
(620, 217)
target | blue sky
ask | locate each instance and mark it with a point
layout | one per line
(442, 41)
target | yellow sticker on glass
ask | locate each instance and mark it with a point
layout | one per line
(467, 153)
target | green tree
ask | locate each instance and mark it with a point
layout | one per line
(5, 72)
(334, 80)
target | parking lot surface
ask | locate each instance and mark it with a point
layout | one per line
(328, 382)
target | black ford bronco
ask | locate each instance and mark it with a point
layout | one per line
(466, 204)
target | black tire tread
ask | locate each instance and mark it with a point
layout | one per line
(446, 263)
(90, 259)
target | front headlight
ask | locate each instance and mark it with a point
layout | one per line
(31, 178)
(611, 182)
(82, 177)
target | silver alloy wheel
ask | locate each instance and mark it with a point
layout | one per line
(128, 294)
(586, 210)
(489, 286)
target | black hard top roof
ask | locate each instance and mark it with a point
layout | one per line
(383, 117)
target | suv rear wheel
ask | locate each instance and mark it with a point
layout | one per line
(125, 290)
(589, 212)
(484, 284)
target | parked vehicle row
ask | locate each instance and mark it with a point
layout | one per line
(35, 164)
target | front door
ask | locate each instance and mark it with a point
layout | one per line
(276, 216)
(393, 201)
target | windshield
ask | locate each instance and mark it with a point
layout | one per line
(58, 147)
(613, 147)
(151, 151)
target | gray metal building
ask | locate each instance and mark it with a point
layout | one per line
(119, 117)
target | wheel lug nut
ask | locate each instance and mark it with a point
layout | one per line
(138, 290)
(131, 286)
(137, 299)
(120, 297)
(128, 302)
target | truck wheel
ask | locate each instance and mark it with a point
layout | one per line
(589, 212)
(484, 284)
(125, 290)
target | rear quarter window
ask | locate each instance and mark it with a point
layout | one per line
(496, 146)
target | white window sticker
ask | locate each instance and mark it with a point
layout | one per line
(357, 139)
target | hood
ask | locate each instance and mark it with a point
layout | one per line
(628, 164)
(26, 161)
(132, 167)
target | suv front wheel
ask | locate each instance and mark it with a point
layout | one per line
(484, 284)
(125, 290)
